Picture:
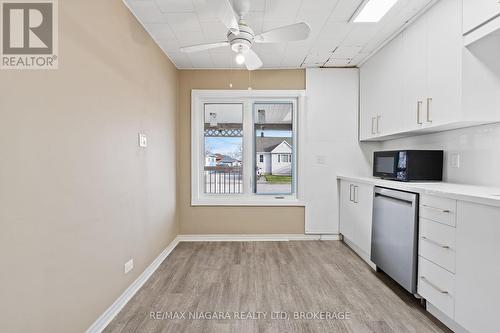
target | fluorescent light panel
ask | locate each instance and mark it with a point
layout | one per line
(374, 10)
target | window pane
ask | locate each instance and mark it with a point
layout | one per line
(273, 126)
(223, 148)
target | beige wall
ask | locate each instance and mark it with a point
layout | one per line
(228, 220)
(78, 198)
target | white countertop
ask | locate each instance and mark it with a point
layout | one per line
(480, 194)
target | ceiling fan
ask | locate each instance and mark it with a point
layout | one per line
(240, 37)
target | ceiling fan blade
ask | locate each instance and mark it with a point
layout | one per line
(202, 47)
(252, 60)
(225, 12)
(287, 33)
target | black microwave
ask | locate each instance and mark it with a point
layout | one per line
(408, 165)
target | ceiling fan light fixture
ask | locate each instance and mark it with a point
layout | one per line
(373, 11)
(240, 58)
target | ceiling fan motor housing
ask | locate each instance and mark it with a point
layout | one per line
(244, 40)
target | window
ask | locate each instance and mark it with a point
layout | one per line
(243, 143)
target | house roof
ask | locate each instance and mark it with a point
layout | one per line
(225, 159)
(268, 144)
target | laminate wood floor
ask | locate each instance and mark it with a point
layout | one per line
(285, 277)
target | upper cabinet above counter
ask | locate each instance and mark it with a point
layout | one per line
(425, 80)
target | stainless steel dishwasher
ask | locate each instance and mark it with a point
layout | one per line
(394, 235)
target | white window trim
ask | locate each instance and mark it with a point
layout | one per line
(198, 197)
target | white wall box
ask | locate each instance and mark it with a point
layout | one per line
(356, 208)
(425, 80)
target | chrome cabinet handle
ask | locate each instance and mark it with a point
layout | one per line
(435, 243)
(350, 193)
(429, 100)
(423, 278)
(419, 105)
(355, 194)
(378, 121)
(446, 211)
(373, 127)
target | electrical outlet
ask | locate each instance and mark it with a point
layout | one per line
(143, 140)
(455, 160)
(129, 265)
(320, 159)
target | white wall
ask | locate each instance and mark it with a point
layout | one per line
(331, 144)
(478, 147)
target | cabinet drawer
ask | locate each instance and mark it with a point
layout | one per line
(437, 243)
(438, 209)
(437, 286)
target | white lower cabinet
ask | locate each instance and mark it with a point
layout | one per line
(477, 300)
(459, 261)
(356, 206)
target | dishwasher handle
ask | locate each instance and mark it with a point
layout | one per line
(409, 202)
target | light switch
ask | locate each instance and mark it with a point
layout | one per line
(143, 140)
(129, 265)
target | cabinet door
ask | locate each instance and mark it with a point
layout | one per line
(477, 12)
(346, 210)
(477, 271)
(444, 49)
(415, 64)
(370, 97)
(363, 197)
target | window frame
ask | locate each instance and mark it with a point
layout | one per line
(247, 98)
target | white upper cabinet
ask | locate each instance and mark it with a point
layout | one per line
(381, 84)
(478, 12)
(444, 63)
(424, 80)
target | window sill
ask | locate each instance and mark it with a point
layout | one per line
(252, 201)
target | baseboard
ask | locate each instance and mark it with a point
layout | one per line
(100, 324)
(252, 237)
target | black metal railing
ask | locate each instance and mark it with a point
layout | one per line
(223, 179)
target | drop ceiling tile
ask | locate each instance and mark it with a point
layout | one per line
(175, 23)
(190, 38)
(204, 12)
(318, 5)
(175, 6)
(361, 33)
(147, 12)
(160, 30)
(338, 62)
(344, 10)
(214, 30)
(316, 59)
(281, 9)
(180, 59)
(347, 51)
(169, 45)
(201, 59)
(270, 25)
(181, 22)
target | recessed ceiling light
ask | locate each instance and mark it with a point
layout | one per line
(374, 10)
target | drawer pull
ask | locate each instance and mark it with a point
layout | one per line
(423, 278)
(438, 209)
(435, 243)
